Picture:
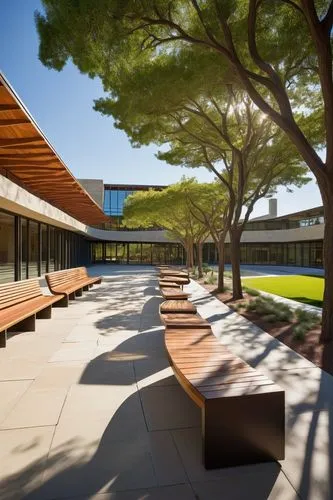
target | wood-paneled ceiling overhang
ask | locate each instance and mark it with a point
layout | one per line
(27, 156)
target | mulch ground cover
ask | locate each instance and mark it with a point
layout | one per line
(311, 348)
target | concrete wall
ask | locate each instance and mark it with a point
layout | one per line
(19, 201)
(95, 187)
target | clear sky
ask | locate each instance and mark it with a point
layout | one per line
(62, 105)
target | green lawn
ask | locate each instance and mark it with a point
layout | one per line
(307, 289)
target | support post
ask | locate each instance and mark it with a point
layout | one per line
(26, 325)
(3, 338)
(62, 302)
(243, 430)
(79, 292)
(45, 313)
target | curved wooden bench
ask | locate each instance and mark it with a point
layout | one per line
(175, 279)
(170, 272)
(21, 302)
(242, 410)
(177, 306)
(70, 283)
(173, 293)
(168, 284)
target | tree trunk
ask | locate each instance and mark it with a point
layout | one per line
(235, 237)
(220, 280)
(189, 255)
(326, 189)
(199, 259)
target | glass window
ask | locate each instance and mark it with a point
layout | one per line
(306, 254)
(291, 254)
(33, 249)
(97, 252)
(44, 247)
(110, 252)
(122, 253)
(114, 202)
(146, 253)
(299, 260)
(24, 249)
(7, 247)
(52, 250)
(134, 255)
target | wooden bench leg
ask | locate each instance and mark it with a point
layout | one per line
(3, 338)
(71, 296)
(243, 430)
(26, 325)
(86, 288)
(91, 285)
(45, 313)
(79, 293)
(62, 302)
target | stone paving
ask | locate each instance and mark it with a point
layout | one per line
(90, 409)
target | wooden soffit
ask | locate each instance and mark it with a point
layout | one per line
(27, 157)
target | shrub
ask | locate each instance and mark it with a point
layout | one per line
(270, 310)
(206, 268)
(251, 291)
(300, 331)
(306, 320)
(211, 278)
(303, 316)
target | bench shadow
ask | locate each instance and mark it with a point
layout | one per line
(125, 457)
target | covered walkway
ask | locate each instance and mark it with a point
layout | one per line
(90, 407)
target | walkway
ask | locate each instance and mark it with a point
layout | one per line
(90, 407)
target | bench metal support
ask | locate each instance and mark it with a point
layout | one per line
(79, 292)
(71, 296)
(3, 338)
(26, 325)
(45, 313)
(86, 288)
(64, 302)
(243, 430)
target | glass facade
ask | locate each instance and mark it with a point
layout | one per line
(114, 200)
(29, 249)
(7, 247)
(137, 253)
(303, 254)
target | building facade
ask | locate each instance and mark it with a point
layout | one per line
(50, 221)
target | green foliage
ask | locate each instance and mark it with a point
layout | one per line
(211, 278)
(306, 320)
(300, 331)
(251, 291)
(206, 268)
(311, 318)
(270, 309)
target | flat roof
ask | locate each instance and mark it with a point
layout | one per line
(302, 214)
(133, 187)
(27, 157)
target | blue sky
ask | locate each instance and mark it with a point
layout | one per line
(91, 147)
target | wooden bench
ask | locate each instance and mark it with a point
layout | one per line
(170, 293)
(21, 302)
(70, 283)
(170, 272)
(243, 420)
(175, 279)
(177, 306)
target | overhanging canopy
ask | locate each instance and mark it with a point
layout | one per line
(27, 157)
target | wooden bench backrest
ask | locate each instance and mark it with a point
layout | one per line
(18, 291)
(65, 276)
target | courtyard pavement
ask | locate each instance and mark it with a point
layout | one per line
(90, 409)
